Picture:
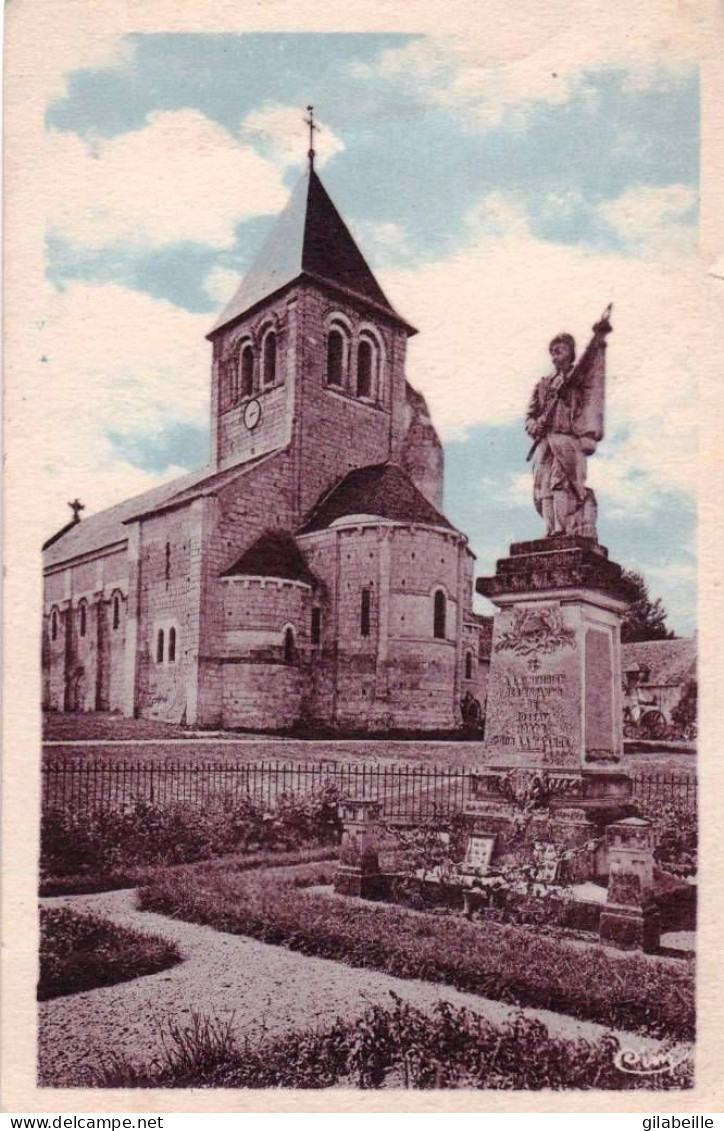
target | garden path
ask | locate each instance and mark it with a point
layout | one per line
(265, 988)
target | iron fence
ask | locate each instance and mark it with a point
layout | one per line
(404, 791)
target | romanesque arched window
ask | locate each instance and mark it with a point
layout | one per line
(365, 612)
(246, 370)
(468, 665)
(290, 649)
(269, 359)
(439, 611)
(172, 645)
(82, 618)
(366, 368)
(316, 625)
(159, 646)
(336, 356)
(116, 610)
(54, 624)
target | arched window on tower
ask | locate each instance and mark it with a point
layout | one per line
(439, 610)
(246, 369)
(336, 357)
(159, 646)
(54, 624)
(366, 366)
(468, 665)
(172, 645)
(116, 611)
(269, 359)
(290, 649)
(365, 611)
(316, 625)
(82, 618)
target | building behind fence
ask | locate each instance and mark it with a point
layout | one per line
(405, 791)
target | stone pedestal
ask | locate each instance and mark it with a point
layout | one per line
(359, 871)
(554, 715)
(631, 917)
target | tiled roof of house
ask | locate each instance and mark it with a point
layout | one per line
(382, 490)
(274, 554)
(309, 239)
(669, 663)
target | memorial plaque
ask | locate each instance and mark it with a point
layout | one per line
(480, 852)
(600, 745)
(546, 862)
(534, 696)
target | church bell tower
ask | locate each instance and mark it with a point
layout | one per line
(309, 354)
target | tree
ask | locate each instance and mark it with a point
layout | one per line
(644, 619)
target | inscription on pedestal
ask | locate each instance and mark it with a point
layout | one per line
(535, 687)
(599, 697)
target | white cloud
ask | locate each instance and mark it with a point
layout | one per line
(652, 221)
(279, 131)
(179, 178)
(456, 73)
(542, 53)
(117, 360)
(92, 47)
(486, 316)
(220, 284)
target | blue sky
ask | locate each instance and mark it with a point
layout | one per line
(497, 206)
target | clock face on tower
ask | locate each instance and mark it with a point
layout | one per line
(252, 414)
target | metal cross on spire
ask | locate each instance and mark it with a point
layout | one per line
(76, 506)
(312, 127)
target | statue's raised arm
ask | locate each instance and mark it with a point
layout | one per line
(566, 422)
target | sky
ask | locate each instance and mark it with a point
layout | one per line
(499, 201)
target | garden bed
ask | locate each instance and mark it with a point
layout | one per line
(497, 961)
(82, 952)
(400, 1047)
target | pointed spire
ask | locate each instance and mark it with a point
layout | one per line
(309, 239)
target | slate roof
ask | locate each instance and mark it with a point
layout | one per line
(274, 554)
(108, 527)
(670, 663)
(382, 490)
(310, 239)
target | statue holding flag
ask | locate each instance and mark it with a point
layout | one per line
(565, 421)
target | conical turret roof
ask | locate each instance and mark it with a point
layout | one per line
(309, 239)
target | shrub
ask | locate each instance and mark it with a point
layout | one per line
(677, 836)
(82, 952)
(498, 961)
(401, 1046)
(79, 841)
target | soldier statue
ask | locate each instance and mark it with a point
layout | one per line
(565, 421)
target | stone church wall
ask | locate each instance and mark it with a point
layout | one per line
(169, 591)
(335, 430)
(83, 671)
(232, 441)
(399, 674)
(263, 686)
(258, 501)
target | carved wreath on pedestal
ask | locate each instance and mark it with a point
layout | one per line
(536, 630)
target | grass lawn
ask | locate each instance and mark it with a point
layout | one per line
(132, 876)
(179, 744)
(500, 962)
(82, 952)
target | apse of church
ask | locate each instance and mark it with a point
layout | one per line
(308, 576)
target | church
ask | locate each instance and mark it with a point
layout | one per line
(308, 576)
